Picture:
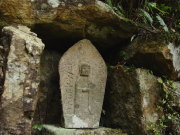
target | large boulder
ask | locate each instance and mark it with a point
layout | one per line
(131, 99)
(22, 78)
(157, 55)
(78, 19)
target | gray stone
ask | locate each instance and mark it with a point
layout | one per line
(131, 99)
(52, 130)
(2, 64)
(82, 79)
(157, 55)
(22, 79)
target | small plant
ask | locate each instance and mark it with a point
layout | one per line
(110, 3)
(157, 129)
(117, 8)
(122, 53)
(152, 13)
(128, 68)
(167, 106)
(162, 23)
(38, 127)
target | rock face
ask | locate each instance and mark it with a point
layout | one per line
(176, 95)
(82, 79)
(21, 80)
(2, 61)
(172, 96)
(131, 99)
(77, 19)
(158, 56)
(52, 130)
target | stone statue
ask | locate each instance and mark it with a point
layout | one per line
(82, 92)
(83, 76)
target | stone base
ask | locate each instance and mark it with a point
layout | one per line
(53, 130)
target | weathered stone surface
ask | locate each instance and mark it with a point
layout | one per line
(82, 80)
(2, 64)
(176, 95)
(52, 130)
(131, 99)
(15, 11)
(158, 56)
(77, 19)
(76, 3)
(21, 80)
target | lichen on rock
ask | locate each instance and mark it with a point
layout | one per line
(18, 101)
(131, 99)
(78, 19)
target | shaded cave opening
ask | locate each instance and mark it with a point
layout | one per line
(57, 42)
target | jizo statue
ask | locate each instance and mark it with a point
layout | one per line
(83, 76)
(82, 90)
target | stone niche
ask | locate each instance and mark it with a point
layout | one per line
(31, 93)
(73, 106)
(31, 73)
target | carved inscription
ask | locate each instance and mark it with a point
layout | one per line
(68, 88)
(83, 76)
(82, 91)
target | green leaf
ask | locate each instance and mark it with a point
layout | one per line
(122, 53)
(120, 10)
(110, 3)
(147, 16)
(162, 23)
(160, 80)
(38, 127)
(152, 4)
(165, 8)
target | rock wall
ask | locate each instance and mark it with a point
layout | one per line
(157, 55)
(2, 61)
(132, 96)
(19, 98)
(77, 19)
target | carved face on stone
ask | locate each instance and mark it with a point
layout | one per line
(84, 70)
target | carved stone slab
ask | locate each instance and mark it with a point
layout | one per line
(83, 76)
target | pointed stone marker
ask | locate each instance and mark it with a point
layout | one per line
(83, 76)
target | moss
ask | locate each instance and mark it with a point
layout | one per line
(160, 37)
